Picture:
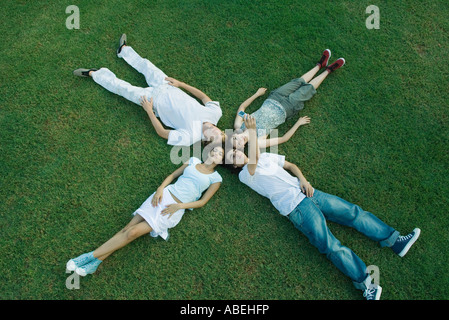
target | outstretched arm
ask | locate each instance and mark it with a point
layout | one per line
(194, 91)
(238, 120)
(305, 186)
(265, 143)
(148, 106)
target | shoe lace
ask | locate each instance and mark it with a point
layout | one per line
(369, 293)
(405, 238)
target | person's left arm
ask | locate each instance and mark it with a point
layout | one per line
(305, 186)
(194, 91)
(265, 143)
(172, 208)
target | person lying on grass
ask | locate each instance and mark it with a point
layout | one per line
(191, 121)
(308, 209)
(283, 103)
(163, 209)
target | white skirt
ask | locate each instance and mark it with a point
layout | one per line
(158, 222)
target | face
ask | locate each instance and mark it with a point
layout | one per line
(216, 155)
(236, 157)
(214, 134)
(238, 141)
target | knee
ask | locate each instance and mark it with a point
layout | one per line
(132, 233)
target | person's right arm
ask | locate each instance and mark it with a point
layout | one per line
(305, 186)
(148, 107)
(253, 144)
(239, 120)
(157, 198)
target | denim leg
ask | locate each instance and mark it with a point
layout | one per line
(343, 212)
(308, 218)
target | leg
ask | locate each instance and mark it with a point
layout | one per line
(310, 74)
(107, 79)
(308, 218)
(318, 80)
(348, 214)
(153, 75)
(132, 231)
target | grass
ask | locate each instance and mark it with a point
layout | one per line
(76, 160)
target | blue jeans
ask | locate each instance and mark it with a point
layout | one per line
(310, 218)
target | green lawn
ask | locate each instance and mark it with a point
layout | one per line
(76, 160)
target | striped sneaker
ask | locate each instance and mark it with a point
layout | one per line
(403, 243)
(121, 43)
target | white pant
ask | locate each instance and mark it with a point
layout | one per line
(154, 77)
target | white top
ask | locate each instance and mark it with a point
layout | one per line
(184, 114)
(271, 180)
(192, 183)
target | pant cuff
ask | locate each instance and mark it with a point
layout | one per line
(364, 284)
(390, 240)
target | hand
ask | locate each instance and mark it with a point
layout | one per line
(173, 82)
(303, 120)
(157, 198)
(261, 91)
(250, 121)
(171, 209)
(147, 105)
(306, 188)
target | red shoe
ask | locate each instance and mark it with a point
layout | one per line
(324, 58)
(337, 64)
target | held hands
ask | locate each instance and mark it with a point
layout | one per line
(306, 188)
(147, 105)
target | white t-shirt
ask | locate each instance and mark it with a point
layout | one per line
(184, 114)
(271, 180)
(192, 183)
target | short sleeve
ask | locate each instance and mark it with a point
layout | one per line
(215, 177)
(276, 158)
(213, 105)
(179, 137)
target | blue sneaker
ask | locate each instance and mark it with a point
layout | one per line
(403, 243)
(89, 268)
(373, 292)
(72, 264)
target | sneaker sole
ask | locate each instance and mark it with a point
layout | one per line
(328, 50)
(71, 266)
(80, 272)
(378, 293)
(410, 243)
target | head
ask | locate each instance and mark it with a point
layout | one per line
(236, 158)
(238, 140)
(214, 135)
(215, 153)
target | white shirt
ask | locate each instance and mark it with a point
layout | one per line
(271, 180)
(184, 114)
